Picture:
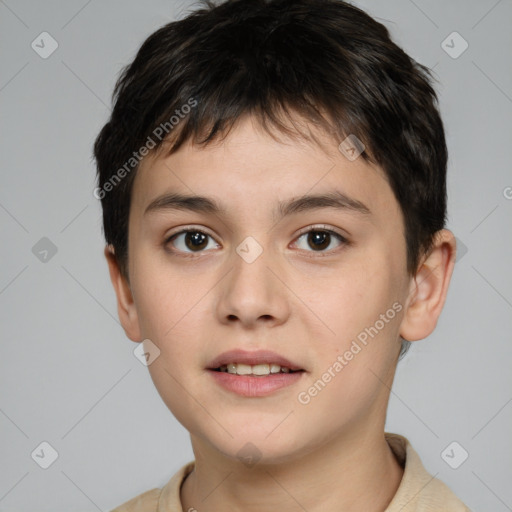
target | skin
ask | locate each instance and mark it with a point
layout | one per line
(306, 304)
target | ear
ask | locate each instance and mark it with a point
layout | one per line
(429, 288)
(125, 304)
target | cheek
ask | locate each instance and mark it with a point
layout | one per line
(362, 311)
(164, 297)
(171, 382)
(348, 303)
(353, 374)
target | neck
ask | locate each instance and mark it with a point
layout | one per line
(348, 474)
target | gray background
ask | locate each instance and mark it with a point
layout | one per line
(68, 374)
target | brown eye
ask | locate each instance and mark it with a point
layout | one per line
(190, 241)
(320, 239)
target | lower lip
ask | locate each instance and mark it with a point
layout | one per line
(249, 386)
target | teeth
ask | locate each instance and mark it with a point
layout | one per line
(257, 369)
(275, 368)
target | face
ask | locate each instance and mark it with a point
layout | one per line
(308, 281)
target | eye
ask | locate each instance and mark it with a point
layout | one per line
(194, 240)
(319, 239)
(190, 240)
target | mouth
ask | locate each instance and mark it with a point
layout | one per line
(257, 370)
(260, 363)
(254, 374)
(252, 381)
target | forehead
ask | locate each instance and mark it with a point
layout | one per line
(250, 168)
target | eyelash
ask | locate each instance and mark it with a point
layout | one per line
(323, 229)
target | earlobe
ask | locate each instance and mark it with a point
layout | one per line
(429, 289)
(125, 305)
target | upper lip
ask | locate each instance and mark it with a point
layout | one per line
(251, 358)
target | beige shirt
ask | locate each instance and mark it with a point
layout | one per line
(418, 491)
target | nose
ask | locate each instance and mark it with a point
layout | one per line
(251, 293)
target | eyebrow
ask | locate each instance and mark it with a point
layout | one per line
(202, 204)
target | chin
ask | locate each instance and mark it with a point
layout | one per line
(254, 447)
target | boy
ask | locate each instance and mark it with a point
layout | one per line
(273, 189)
